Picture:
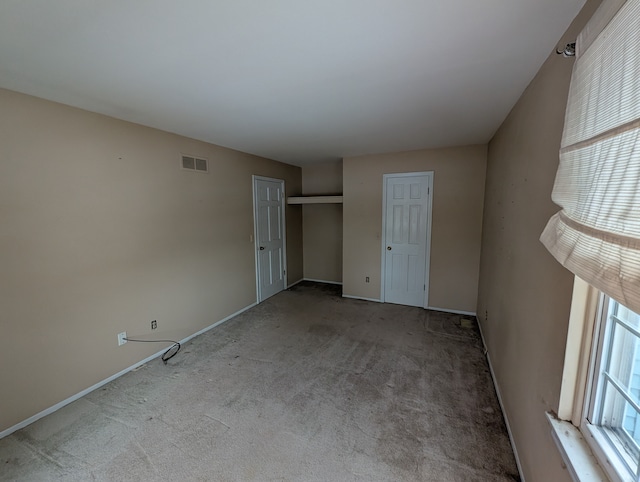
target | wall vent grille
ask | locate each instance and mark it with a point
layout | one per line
(201, 165)
(198, 164)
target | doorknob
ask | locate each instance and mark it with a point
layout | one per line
(388, 248)
(261, 248)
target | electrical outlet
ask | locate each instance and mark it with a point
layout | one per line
(366, 280)
(122, 338)
(154, 324)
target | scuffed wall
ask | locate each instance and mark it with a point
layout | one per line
(102, 232)
(525, 295)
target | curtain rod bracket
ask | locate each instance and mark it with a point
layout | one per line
(568, 51)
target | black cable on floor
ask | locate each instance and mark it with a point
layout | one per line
(167, 355)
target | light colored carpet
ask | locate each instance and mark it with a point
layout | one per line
(307, 386)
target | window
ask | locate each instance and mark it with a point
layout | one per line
(596, 236)
(612, 408)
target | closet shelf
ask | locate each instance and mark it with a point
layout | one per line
(314, 200)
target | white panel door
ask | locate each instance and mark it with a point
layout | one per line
(406, 235)
(270, 242)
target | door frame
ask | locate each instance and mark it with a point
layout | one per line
(255, 178)
(383, 237)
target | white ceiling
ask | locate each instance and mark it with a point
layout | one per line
(293, 80)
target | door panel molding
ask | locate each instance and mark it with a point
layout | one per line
(412, 228)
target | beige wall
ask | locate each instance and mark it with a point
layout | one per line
(458, 191)
(102, 232)
(524, 297)
(322, 223)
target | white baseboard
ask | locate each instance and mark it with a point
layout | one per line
(455, 312)
(323, 281)
(361, 298)
(445, 310)
(504, 413)
(295, 283)
(84, 392)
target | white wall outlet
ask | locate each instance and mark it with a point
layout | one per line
(122, 338)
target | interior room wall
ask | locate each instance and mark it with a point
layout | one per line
(524, 296)
(458, 192)
(322, 223)
(102, 232)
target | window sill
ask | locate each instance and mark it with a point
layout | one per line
(576, 454)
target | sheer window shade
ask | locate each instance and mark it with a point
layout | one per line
(606, 11)
(597, 233)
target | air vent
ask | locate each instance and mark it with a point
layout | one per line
(195, 164)
(201, 165)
